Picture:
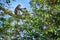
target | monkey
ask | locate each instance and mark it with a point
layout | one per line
(17, 9)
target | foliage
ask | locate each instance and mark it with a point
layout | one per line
(42, 24)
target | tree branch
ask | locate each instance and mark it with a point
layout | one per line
(6, 11)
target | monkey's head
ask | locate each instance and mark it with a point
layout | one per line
(19, 5)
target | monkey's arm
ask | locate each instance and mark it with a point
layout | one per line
(23, 10)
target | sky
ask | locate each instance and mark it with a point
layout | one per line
(23, 3)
